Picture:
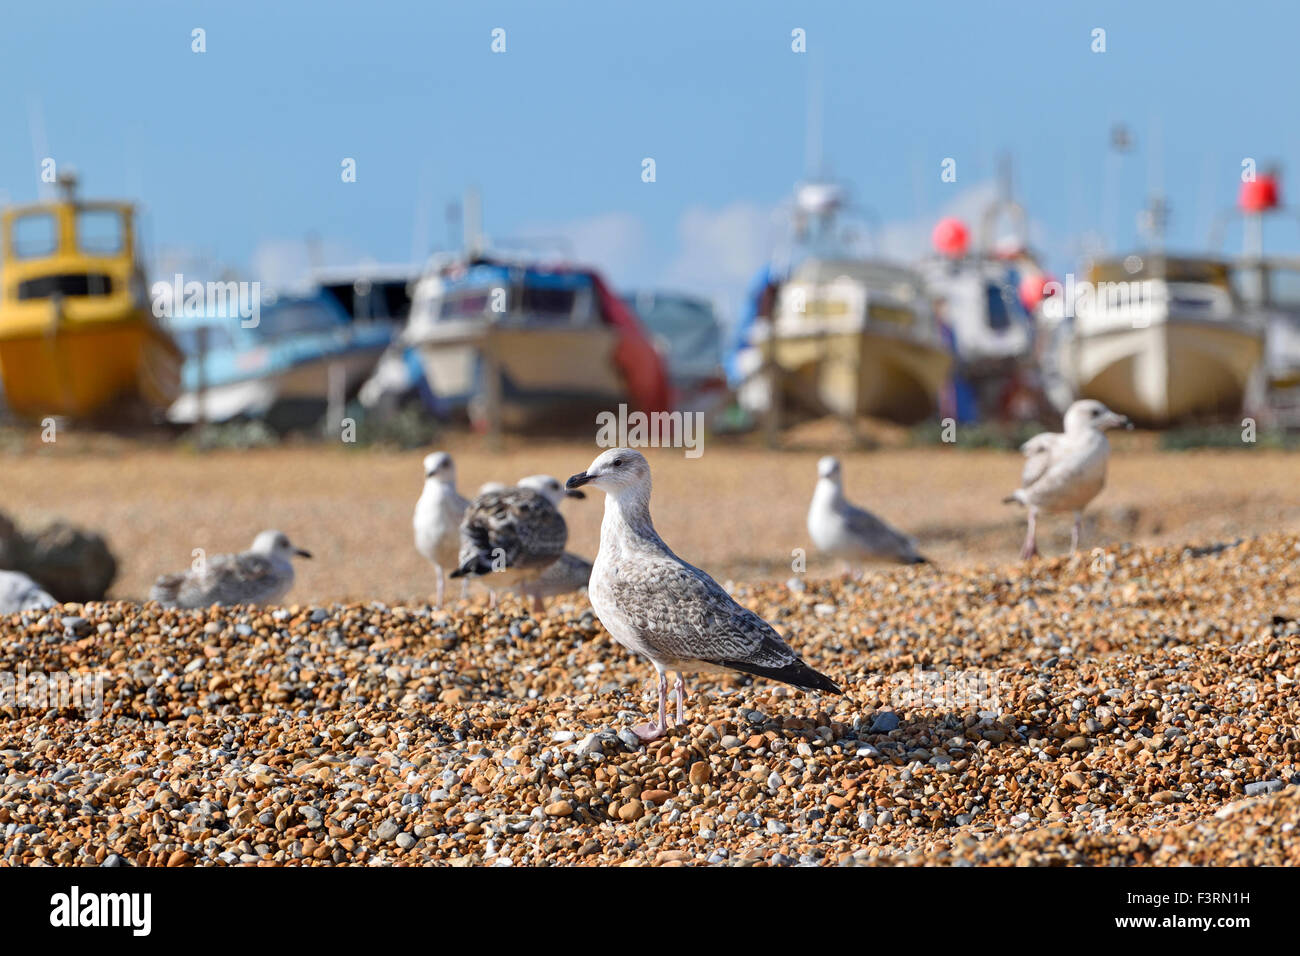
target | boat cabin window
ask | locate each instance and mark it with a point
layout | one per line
(34, 234)
(100, 232)
(65, 284)
(465, 305)
(999, 317)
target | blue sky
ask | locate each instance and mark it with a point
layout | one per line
(236, 152)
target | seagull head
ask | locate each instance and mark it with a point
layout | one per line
(1089, 414)
(615, 472)
(829, 468)
(549, 488)
(438, 466)
(276, 545)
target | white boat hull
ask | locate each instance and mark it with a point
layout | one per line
(542, 367)
(1167, 371)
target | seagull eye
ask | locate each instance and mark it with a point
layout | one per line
(616, 462)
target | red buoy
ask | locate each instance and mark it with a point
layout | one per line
(950, 237)
(1032, 288)
(1259, 195)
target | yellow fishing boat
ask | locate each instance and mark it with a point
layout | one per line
(77, 335)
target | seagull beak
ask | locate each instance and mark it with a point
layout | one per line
(574, 494)
(301, 553)
(577, 481)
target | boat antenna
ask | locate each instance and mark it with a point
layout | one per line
(474, 244)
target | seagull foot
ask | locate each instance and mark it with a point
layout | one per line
(648, 731)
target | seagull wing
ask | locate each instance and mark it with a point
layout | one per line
(683, 614)
(878, 537)
(515, 528)
(1039, 452)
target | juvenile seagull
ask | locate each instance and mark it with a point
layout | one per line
(510, 537)
(848, 532)
(656, 605)
(18, 592)
(261, 575)
(437, 519)
(569, 573)
(1063, 472)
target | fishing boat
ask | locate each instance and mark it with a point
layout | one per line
(302, 354)
(981, 292)
(511, 342)
(77, 334)
(1160, 338)
(686, 331)
(839, 333)
(1270, 289)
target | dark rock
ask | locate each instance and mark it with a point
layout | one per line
(73, 565)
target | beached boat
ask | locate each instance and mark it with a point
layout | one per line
(837, 333)
(513, 342)
(302, 354)
(1161, 339)
(77, 335)
(1269, 288)
(686, 331)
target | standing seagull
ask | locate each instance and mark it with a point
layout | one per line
(656, 605)
(437, 519)
(261, 575)
(512, 536)
(569, 572)
(1063, 472)
(848, 532)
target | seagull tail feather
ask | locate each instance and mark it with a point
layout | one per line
(475, 566)
(796, 673)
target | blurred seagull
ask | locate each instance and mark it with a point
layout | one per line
(569, 573)
(656, 605)
(437, 519)
(261, 575)
(18, 592)
(510, 537)
(1063, 472)
(848, 532)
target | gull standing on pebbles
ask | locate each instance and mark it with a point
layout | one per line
(569, 573)
(437, 519)
(510, 537)
(656, 605)
(18, 592)
(848, 532)
(261, 575)
(1063, 472)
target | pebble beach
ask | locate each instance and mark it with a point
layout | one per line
(1135, 705)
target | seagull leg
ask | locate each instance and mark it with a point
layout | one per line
(441, 583)
(1074, 534)
(679, 691)
(1030, 550)
(653, 731)
(539, 608)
